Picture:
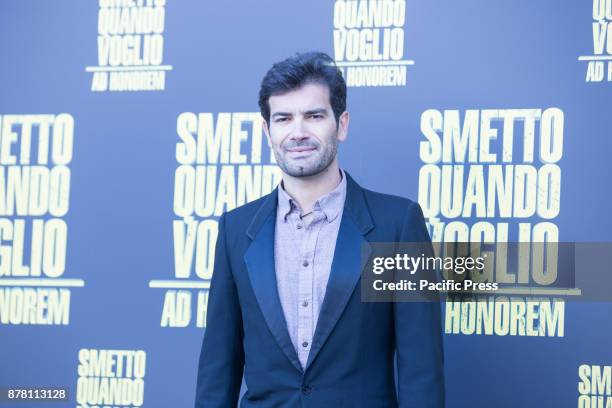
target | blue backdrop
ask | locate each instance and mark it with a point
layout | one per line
(102, 97)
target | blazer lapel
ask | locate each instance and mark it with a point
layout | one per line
(259, 259)
(351, 248)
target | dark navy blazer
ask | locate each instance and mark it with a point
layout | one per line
(351, 362)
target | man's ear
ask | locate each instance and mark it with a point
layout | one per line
(343, 122)
(264, 126)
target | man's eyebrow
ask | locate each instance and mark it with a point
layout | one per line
(315, 111)
(275, 114)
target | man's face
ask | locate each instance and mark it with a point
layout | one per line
(303, 131)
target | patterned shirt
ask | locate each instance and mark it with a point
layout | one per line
(303, 252)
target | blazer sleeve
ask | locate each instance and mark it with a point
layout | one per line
(222, 356)
(418, 335)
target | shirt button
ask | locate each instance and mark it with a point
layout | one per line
(306, 389)
(305, 344)
(305, 263)
(305, 303)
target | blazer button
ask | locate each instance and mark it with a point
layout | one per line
(306, 389)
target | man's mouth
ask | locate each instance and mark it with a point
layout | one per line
(301, 149)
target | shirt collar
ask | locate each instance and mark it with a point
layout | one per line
(330, 204)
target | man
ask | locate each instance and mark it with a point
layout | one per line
(284, 304)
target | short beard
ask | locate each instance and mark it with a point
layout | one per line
(322, 165)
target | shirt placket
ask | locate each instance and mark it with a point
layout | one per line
(306, 285)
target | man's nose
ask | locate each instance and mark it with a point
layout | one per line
(298, 132)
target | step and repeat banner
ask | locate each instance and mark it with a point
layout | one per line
(127, 127)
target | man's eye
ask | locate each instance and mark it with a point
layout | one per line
(317, 116)
(281, 119)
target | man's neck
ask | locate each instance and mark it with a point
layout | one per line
(307, 190)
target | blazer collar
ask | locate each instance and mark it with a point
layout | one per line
(351, 245)
(355, 204)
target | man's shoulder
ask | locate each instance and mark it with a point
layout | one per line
(242, 216)
(396, 218)
(389, 205)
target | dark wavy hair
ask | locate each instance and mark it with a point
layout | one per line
(301, 69)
